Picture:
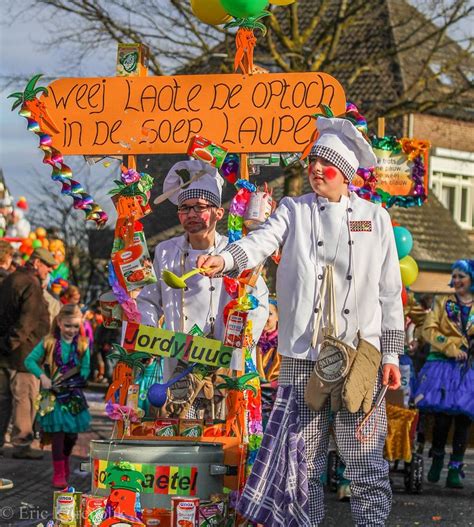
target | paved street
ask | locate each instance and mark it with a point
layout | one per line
(30, 502)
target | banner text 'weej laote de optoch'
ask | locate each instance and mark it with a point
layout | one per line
(151, 115)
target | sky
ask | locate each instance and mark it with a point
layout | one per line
(20, 158)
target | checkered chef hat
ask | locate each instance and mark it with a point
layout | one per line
(206, 183)
(341, 144)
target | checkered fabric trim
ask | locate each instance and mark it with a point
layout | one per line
(196, 193)
(365, 467)
(333, 157)
(393, 341)
(240, 257)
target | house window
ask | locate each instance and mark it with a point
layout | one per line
(452, 181)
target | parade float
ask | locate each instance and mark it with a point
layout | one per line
(160, 467)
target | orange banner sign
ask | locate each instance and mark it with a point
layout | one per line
(151, 115)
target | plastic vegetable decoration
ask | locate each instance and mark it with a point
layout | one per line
(236, 402)
(124, 373)
(247, 19)
(40, 123)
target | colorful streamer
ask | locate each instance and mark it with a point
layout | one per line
(39, 123)
(238, 206)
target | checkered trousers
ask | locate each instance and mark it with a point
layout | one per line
(365, 467)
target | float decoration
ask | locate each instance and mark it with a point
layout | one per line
(245, 41)
(123, 504)
(400, 178)
(41, 124)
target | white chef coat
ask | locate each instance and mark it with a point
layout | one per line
(204, 297)
(311, 230)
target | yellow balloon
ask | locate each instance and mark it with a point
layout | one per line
(282, 2)
(210, 12)
(408, 270)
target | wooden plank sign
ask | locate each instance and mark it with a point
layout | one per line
(151, 115)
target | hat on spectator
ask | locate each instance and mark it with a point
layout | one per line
(45, 256)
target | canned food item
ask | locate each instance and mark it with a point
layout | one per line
(67, 508)
(258, 210)
(184, 511)
(235, 329)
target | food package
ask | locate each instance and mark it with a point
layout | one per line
(92, 510)
(67, 508)
(166, 427)
(191, 427)
(133, 266)
(202, 149)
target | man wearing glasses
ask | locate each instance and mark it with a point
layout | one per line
(198, 194)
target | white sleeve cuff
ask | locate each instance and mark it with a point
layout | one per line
(229, 261)
(390, 358)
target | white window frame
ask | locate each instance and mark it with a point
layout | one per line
(445, 162)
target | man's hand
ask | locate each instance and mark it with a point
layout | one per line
(391, 376)
(213, 264)
(46, 383)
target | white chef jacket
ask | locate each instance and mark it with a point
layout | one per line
(204, 297)
(312, 232)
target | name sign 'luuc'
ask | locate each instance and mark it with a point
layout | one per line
(151, 115)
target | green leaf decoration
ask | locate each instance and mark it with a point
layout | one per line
(29, 93)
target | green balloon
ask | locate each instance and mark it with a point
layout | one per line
(36, 244)
(244, 8)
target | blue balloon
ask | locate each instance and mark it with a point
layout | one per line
(403, 240)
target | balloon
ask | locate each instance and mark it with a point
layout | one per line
(32, 236)
(37, 244)
(244, 8)
(404, 296)
(408, 270)
(210, 12)
(404, 241)
(41, 232)
(282, 2)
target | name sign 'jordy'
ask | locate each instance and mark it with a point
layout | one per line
(166, 343)
(151, 115)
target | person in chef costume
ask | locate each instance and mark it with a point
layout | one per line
(338, 279)
(197, 193)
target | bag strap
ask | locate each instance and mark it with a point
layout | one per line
(327, 287)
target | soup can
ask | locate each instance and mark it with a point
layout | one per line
(184, 511)
(111, 310)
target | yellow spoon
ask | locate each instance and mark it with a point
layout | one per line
(179, 282)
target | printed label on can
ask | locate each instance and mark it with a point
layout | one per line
(184, 512)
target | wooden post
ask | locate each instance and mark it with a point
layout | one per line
(244, 166)
(132, 61)
(381, 127)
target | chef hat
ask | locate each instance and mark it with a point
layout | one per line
(206, 183)
(341, 144)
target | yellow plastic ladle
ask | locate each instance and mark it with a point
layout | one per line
(179, 282)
